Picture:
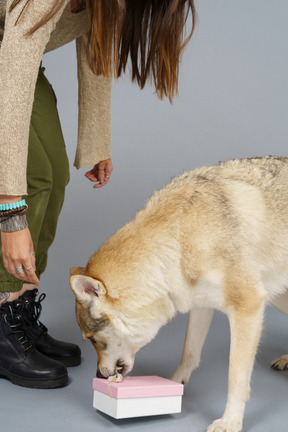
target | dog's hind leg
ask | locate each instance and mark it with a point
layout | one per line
(245, 326)
(281, 303)
(199, 321)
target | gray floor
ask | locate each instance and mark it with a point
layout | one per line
(232, 103)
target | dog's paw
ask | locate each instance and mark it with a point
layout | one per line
(224, 426)
(281, 363)
(181, 376)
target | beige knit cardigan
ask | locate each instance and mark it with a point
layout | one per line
(20, 57)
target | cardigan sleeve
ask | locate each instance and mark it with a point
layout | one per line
(20, 57)
(94, 125)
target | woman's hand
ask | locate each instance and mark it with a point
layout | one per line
(100, 173)
(18, 255)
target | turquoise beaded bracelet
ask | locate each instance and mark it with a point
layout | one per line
(12, 206)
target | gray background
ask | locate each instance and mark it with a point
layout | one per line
(232, 103)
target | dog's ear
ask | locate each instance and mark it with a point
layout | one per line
(77, 271)
(86, 288)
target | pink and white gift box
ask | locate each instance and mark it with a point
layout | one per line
(137, 396)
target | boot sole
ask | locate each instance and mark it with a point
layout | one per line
(34, 383)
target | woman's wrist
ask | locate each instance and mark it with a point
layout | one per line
(7, 199)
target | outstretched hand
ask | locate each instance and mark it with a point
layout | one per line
(100, 173)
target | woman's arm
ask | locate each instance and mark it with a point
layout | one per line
(94, 125)
(20, 57)
(17, 249)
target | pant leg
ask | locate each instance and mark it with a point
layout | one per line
(46, 124)
(47, 176)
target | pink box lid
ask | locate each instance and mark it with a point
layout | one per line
(141, 386)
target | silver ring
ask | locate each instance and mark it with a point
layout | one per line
(28, 268)
(107, 177)
(32, 254)
(19, 269)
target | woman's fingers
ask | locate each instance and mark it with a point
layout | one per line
(33, 259)
(92, 175)
(25, 272)
(100, 173)
(108, 169)
(18, 271)
(104, 172)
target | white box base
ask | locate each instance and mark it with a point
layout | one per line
(136, 407)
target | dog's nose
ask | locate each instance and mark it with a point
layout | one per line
(99, 375)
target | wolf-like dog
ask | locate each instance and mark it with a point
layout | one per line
(214, 238)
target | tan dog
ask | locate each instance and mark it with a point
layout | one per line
(214, 238)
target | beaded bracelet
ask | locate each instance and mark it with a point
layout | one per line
(12, 206)
(14, 212)
(6, 215)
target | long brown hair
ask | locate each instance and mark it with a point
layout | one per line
(147, 34)
(56, 6)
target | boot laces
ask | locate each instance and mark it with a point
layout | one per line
(34, 308)
(16, 329)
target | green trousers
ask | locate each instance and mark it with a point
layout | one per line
(47, 177)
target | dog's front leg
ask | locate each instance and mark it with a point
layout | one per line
(281, 303)
(245, 327)
(199, 321)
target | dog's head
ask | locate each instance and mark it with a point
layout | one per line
(115, 329)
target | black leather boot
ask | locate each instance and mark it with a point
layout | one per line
(67, 353)
(19, 361)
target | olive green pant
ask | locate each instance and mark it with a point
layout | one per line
(47, 177)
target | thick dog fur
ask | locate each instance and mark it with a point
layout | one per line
(214, 238)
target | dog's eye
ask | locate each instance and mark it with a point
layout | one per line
(92, 339)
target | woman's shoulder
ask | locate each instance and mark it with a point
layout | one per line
(32, 9)
(67, 25)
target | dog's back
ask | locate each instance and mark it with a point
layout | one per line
(268, 176)
(225, 218)
(236, 219)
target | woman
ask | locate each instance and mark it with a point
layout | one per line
(33, 161)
